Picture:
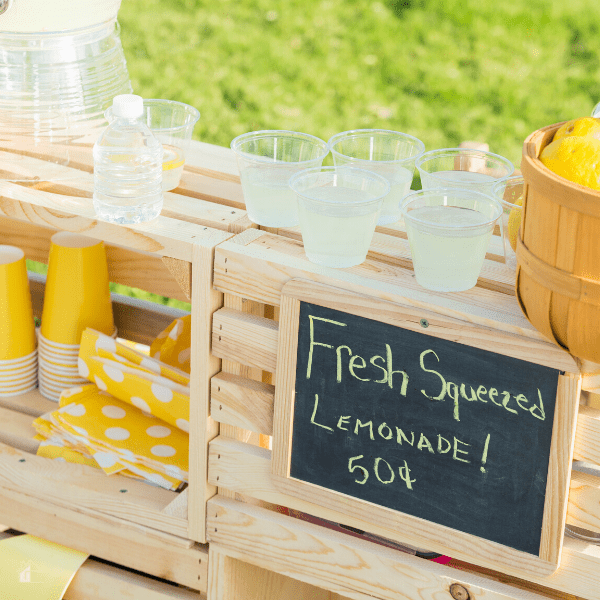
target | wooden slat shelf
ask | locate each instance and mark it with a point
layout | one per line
(203, 249)
(129, 522)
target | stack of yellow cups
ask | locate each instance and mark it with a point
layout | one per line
(18, 354)
(77, 296)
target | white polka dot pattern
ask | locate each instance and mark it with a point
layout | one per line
(105, 459)
(100, 383)
(113, 412)
(140, 403)
(113, 373)
(117, 433)
(183, 424)
(106, 343)
(158, 431)
(83, 368)
(163, 450)
(162, 393)
(76, 410)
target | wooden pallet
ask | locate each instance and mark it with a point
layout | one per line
(142, 527)
(253, 268)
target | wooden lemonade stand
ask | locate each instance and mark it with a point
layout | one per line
(256, 519)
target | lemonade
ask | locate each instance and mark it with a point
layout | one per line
(334, 239)
(481, 182)
(399, 187)
(446, 245)
(172, 165)
(269, 200)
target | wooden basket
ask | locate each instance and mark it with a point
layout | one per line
(558, 254)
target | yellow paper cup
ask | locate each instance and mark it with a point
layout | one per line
(77, 293)
(17, 333)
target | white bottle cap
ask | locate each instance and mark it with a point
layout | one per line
(129, 106)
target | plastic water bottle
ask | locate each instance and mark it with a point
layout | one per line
(128, 166)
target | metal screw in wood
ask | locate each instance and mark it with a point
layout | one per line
(459, 592)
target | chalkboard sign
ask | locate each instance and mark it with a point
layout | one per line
(405, 421)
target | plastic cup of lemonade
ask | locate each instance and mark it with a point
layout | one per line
(338, 209)
(388, 153)
(466, 168)
(449, 231)
(267, 160)
(172, 123)
(510, 195)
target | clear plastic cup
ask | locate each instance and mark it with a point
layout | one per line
(338, 209)
(267, 160)
(509, 193)
(388, 153)
(77, 294)
(466, 168)
(17, 329)
(172, 123)
(449, 231)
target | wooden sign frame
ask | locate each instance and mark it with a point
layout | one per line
(417, 531)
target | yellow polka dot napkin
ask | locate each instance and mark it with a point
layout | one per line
(146, 383)
(173, 345)
(118, 436)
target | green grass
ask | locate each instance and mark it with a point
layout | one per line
(442, 70)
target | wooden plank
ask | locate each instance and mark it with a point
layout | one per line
(584, 502)
(335, 561)
(32, 403)
(234, 579)
(116, 540)
(247, 470)
(587, 435)
(101, 581)
(245, 338)
(162, 236)
(247, 308)
(73, 485)
(242, 402)
(16, 430)
(395, 250)
(205, 300)
(97, 580)
(134, 269)
(559, 468)
(252, 340)
(256, 265)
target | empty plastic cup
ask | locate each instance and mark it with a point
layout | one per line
(17, 332)
(172, 123)
(510, 195)
(449, 231)
(77, 293)
(267, 160)
(466, 168)
(338, 209)
(388, 153)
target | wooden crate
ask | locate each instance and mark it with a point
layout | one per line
(142, 527)
(251, 269)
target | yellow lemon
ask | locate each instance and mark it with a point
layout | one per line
(514, 222)
(574, 158)
(585, 126)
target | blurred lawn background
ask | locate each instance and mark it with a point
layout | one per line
(444, 71)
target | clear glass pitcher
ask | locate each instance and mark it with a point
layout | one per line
(55, 83)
